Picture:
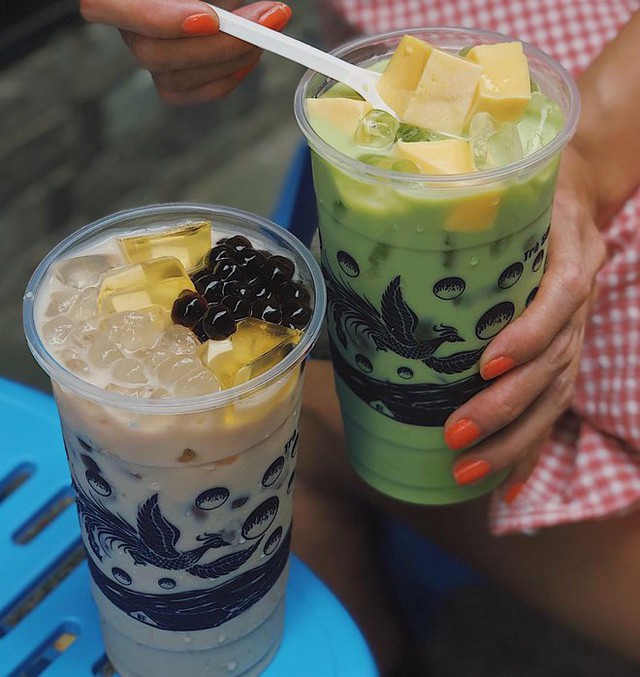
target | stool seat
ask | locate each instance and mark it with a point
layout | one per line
(48, 622)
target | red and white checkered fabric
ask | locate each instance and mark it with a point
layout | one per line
(590, 468)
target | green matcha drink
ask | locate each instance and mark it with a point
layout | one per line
(434, 233)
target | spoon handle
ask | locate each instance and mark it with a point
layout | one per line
(363, 81)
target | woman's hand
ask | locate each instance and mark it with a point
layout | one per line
(534, 361)
(179, 43)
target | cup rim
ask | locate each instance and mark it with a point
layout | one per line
(94, 393)
(363, 170)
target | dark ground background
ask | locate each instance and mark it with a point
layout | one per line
(82, 134)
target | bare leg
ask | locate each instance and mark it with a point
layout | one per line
(333, 528)
(585, 575)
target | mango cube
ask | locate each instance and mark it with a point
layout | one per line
(450, 156)
(505, 86)
(189, 243)
(403, 73)
(251, 350)
(445, 97)
(157, 282)
(336, 113)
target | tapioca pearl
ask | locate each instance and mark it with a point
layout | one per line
(188, 308)
(219, 252)
(277, 270)
(251, 260)
(239, 306)
(218, 323)
(260, 288)
(210, 287)
(296, 315)
(238, 243)
(227, 270)
(269, 311)
(293, 291)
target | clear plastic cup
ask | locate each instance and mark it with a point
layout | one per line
(185, 504)
(422, 272)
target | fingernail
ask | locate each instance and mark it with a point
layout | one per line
(471, 470)
(461, 434)
(497, 367)
(513, 492)
(200, 24)
(238, 75)
(277, 17)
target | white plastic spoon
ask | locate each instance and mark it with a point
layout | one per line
(361, 80)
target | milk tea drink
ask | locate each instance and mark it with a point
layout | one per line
(175, 337)
(434, 231)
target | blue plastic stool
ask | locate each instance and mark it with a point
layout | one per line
(422, 574)
(320, 639)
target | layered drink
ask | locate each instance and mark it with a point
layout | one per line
(434, 225)
(175, 337)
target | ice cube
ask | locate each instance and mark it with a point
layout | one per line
(179, 340)
(103, 352)
(84, 271)
(482, 126)
(57, 330)
(158, 282)
(541, 122)
(129, 371)
(377, 129)
(194, 383)
(136, 329)
(504, 147)
(61, 302)
(142, 392)
(189, 243)
(85, 306)
(176, 367)
(72, 359)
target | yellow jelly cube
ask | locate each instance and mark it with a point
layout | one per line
(188, 243)
(445, 96)
(157, 282)
(251, 350)
(505, 86)
(403, 73)
(450, 156)
(475, 213)
(219, 358)
(330, 114)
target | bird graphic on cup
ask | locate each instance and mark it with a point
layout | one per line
(355, 322)
(153, 540)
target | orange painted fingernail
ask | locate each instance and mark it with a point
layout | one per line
(239, 74)
(497, 367)
(513, 492)
(200, 24)
(277, 17)
(471, 470)
(461, 434)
